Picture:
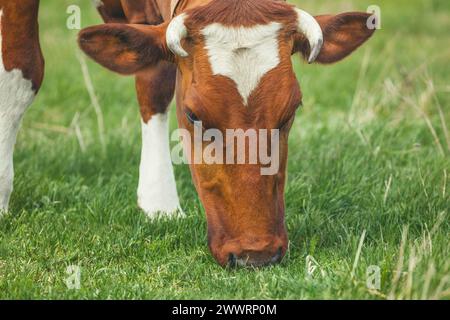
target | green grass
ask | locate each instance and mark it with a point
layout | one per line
(369, 154)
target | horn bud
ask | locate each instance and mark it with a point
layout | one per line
(177, 31)
(308, 25)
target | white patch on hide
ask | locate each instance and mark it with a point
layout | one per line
(243, 54)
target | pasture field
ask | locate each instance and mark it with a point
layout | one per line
(368, 187)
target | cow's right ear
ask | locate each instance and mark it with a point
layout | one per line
(342, 34)
(125, 48)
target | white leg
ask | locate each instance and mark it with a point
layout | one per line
(157, 192)
(16, 95)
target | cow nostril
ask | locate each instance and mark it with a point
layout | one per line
(254, 259)
(232, 260)
(278, 256)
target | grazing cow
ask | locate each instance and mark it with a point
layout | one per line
(233, 69)
(229, 62)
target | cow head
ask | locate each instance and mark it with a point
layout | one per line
(235, 72)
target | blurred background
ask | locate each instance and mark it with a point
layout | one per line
(369, 159)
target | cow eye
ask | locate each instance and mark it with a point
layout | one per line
(192, 118)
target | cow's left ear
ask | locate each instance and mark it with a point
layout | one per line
(342, 34)
(125, 48)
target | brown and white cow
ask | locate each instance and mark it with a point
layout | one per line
(229, 62)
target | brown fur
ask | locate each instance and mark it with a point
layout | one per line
(20, 45)
(245, 210)
(155, 88)
(154, 85)
(240, 13)
(126, 49)
(112, 11)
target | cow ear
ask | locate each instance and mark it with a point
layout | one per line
(342, 35)
(125, 48)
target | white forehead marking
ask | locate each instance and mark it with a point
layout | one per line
(243, 54)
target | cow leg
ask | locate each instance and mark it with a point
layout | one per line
(16, 95)
(21, 72)
(157, 192)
